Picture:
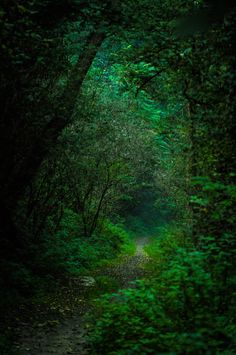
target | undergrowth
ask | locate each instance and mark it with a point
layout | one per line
(176, 311)
(42, 289)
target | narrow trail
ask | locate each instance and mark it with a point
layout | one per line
(131, 268)
(69, 337)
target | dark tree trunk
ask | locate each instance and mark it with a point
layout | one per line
(13, 186)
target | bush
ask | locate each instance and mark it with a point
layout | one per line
(69, 252)
(177, 311)
(128, 322)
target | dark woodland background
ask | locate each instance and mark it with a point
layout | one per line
(117, 120)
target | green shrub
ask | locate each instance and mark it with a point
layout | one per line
(177, 311)
(69, 252)
(163, 247)
(128, 322)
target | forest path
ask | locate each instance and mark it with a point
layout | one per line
(132, 267)
(69, 336)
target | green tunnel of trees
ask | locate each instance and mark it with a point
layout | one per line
(117, 118)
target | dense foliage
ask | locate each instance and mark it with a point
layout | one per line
(117, 118)
(178, 311)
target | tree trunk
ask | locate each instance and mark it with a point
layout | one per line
(15, 185)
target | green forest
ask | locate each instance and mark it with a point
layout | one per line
(117, 177)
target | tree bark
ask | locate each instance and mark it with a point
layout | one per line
(16, 184)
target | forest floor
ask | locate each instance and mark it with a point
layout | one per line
(65, 332)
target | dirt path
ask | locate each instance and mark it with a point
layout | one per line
(131, 268)
(69, 337)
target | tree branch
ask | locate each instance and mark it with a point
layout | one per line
(147, 80)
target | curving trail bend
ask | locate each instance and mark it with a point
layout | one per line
(69, 337)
